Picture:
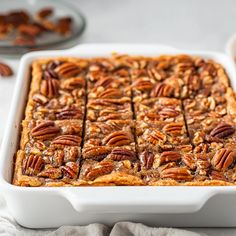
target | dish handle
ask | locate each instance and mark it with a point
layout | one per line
(134, 199)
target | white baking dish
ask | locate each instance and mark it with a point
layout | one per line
(166, 206)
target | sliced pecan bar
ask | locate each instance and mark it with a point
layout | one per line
(109, 172)
(159, 109)
(109, 109)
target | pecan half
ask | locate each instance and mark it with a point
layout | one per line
(162, 90)
(102, 168)
(223, 158)
(222, 130)
(44, 12)
(52, 173)
(104, 82)
(118, 138)
(33, 164)
(29, 30)
(67, 140)
(177, 173)
(120, 154)
(111, 93)
(73, 83)
(68, 69)
(155, 137)
(70, 170)
(143, 84)
(39, 98)
(147, 159)
(217, 175)
(5, 70)
(169, 156)
(169, 112)
(50, 87)
(70, 113)
(64, 25)
(45, 130)
(96, 152)
(188, 160)
(174, 128)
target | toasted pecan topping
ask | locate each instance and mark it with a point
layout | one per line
(169, 112)
(44, 12)
(223, 130)
(162, 90)
(118, 138)
(104, 82)
(96, 152)
(73, 83)
(223, 159)
(45, 130)
(120, 154)
(68, 69)
(155, 137)
(67, 140)
(102, 168)
(70, 113)
(111, 93)
(177, 173)
(70, 170)
(169, 156)
(143, 84)
(33, 164)
(50, 87)
(189, 161)
(174, 128)
(146, 159)
(39, 98)
(52, 173)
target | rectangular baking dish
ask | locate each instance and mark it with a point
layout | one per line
(45, 207)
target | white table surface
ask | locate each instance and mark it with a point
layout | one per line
(187, 24)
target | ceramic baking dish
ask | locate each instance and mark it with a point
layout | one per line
(55, 206)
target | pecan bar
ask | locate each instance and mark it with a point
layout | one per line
(57, 90)
(50, 152)
(159, 109)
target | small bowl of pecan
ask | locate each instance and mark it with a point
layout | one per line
(37, 25)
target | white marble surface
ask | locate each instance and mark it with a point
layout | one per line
(187, 24)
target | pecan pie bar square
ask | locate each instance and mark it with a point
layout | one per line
(161, 135)
(110, 172)
(109, 109)
(159, 109)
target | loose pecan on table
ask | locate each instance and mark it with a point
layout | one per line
(5, 70)
(45, 130)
